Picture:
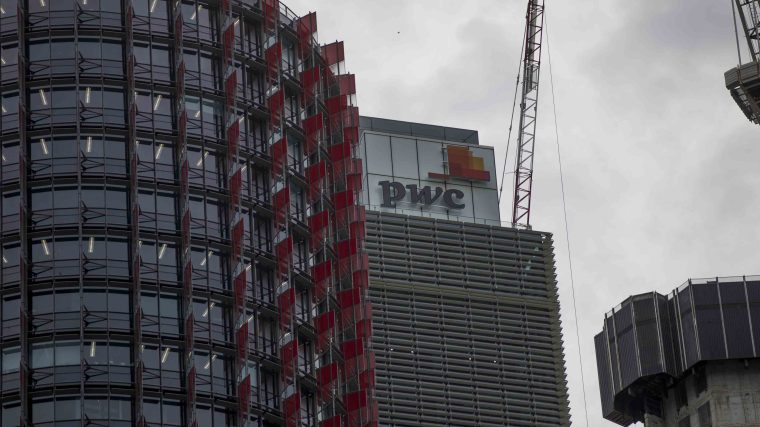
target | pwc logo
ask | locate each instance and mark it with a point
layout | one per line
(462, 165)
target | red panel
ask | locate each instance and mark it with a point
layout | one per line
(336, 104)
(324, 322)
(271, 9)
(186, 229)
(347, 84)
(236, 182)
(351, 135)
(189, 330)
(178, 30)
(364, 329)
(244, 394)
(230, 89)
(367, 379)
(280, 203)
(242, 341)
(233, 138)
(333, 53)
(317, 224)
(275, 103)
(309, 80)
(292, 405)
(187, 279)
(306, 26)
(349, 298)
(182, 126)
(288, 354)
(181, 76)
(361, 279)
(184, 177)
(321, 271)
(314, 175)
(354, 182)
(332, 422)
(285, 304)
(279, 154)
(191, 383)
(346, 248)
(240, 288)
(340, 151)
(273, 58)
(326, 376)
(343, 199)
(356, 400)
(283, 250)
(229, 40)
(225, 6)
(237, 239)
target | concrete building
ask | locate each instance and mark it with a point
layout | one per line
(687, 359)
(466, 326)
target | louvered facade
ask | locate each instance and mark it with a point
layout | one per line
(466, 323)
(182, 243)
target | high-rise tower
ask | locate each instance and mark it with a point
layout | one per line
(181, 240)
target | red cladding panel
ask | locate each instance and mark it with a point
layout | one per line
(364, 328)
(332, 422)
(343, 199)
(280, 203)
(321, 271)
(236, 182)
(229, 41)
(187, 278)
(333, 53)
(349, 298)
(177, 30)
(324, 322)
(347, 84)
(242, 341)
(356, 400)
(346, 248)
(182, 127)
(313, 124)
(273, 58)
(285, 303)
(292, 405)
(279, 154)
(230, 89)
(271, 9)
(237, 239)
(240, 288)
(339, 152)
(244, 394)
(336, 104)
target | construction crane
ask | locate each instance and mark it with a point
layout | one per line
(743, 81)
(526, 138)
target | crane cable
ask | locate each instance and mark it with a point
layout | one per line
(736, 31)
(512, 119)
(567, 228)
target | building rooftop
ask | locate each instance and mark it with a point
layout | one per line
(419, 130)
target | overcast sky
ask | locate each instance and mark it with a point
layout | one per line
(661, 167)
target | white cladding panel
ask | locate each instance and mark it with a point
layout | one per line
(409, 161)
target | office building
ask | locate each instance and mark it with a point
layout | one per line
(466, 326)
(179, 225)
(686, 359)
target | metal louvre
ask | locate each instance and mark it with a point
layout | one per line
(466, 324)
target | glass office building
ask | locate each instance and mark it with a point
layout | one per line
(466, 323)
(181, 238)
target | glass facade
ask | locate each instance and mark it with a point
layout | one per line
(179, 243)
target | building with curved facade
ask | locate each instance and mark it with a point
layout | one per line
(181, 240)
(687, 359)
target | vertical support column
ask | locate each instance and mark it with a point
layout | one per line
(184, 209)
(23, 224)
(129, 14)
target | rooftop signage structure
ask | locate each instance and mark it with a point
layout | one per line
(428, 171)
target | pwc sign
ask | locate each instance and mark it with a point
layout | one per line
(462, 165)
